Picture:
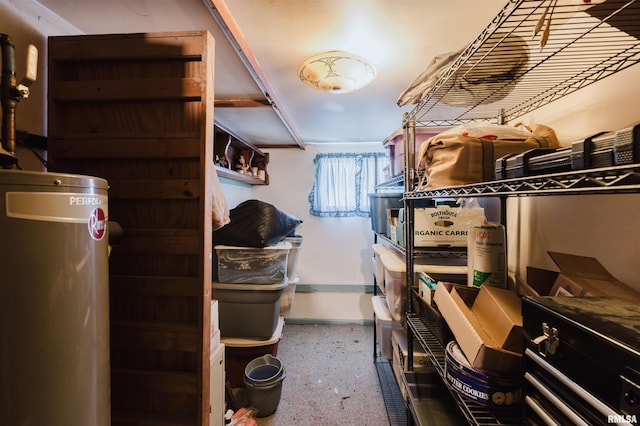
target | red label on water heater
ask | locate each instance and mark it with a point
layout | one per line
(97, 224)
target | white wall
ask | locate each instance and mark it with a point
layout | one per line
(335, 251)
(601, 226)
(28, 23)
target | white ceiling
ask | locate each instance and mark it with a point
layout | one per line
(398, 37)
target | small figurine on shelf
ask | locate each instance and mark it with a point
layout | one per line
(242, 166)
(221, 161)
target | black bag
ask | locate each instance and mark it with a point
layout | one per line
(255, 223)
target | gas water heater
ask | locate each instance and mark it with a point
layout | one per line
(54, 301)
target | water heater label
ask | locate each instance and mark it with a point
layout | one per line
(91, 209)
(97, 223)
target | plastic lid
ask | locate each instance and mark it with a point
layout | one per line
(237, 342)
(380, 308)
(283, 245)
(398, 135)
(441, 269)
(396, 263)
(378, 249)
(393, 262)
(248, 287)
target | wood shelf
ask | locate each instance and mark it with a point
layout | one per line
(227, 150)
(232, 174)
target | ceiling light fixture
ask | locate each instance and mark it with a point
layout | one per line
(336, 71)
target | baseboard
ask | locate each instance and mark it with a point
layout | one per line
(325, 321)
(331, 304)
(334, 288)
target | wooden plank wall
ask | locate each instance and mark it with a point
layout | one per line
(137, 110)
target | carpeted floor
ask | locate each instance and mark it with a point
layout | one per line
(331, 378)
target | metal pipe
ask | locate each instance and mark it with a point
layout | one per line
(10, 96)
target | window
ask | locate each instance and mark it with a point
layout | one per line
(343, 181)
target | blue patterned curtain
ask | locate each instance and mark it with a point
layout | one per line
(343, 181)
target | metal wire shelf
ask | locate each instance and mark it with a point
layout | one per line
(393, 183)
(426, 252)
(474, 413)
(586, 43)
(617, 179)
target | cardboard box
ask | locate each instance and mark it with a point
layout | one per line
(215, 317)
(426, 287)
(215, 327)
(428, 281)
(537, 283)
(585, 276)
(215, 341)
(579, 276)
(399, 234)
(392, 222)
(487, 324)
(444, 225)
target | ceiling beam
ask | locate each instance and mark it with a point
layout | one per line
(240, 103)
(227, 24)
